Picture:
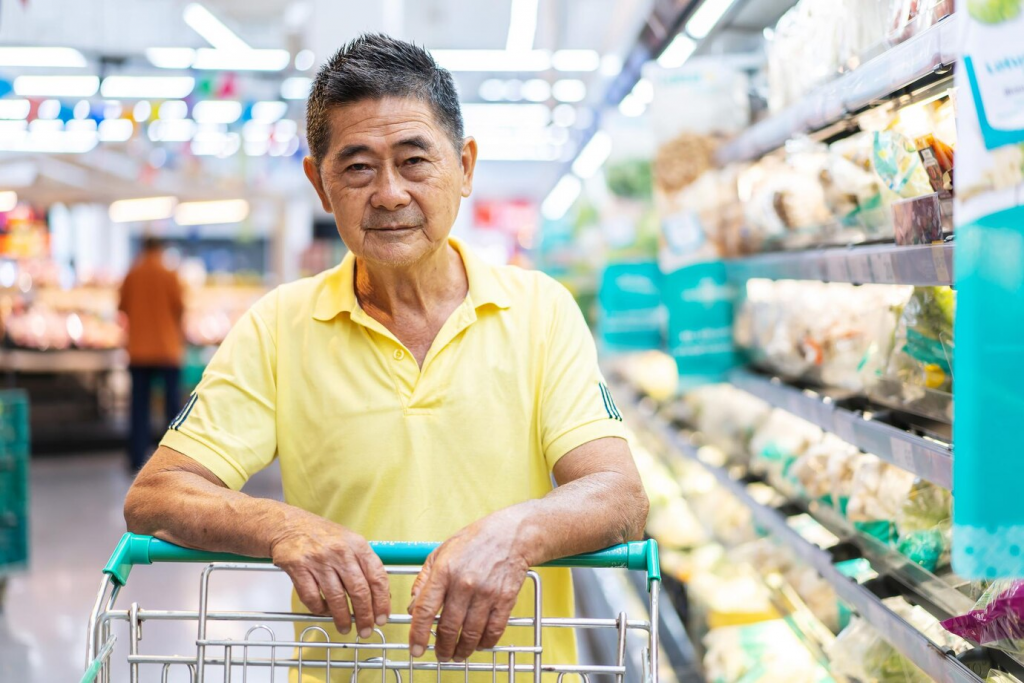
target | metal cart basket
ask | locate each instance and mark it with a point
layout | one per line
(252, 654)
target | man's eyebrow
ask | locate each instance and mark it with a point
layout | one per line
(416, 141)
(351, 151)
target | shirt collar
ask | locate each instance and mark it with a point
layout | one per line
(337, 294)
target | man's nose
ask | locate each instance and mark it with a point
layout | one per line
(390, 193)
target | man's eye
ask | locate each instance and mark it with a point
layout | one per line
(358, 167)
(414, 160)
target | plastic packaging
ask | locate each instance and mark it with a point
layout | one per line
(861, 653)
(923, 351)
(997, 619)
(924, 524)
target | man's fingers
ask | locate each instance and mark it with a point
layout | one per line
(380, 586)
(453, 615)
(495, 628)
(423, 611)
(334, 593)
(309, 592)
(472, 628)
(358, 590)
(421, 579)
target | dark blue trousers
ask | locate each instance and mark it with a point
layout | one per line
(141, 432)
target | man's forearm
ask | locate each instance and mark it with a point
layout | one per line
(588, 514)
(174, 502)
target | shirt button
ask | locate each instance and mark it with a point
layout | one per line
(399, 354)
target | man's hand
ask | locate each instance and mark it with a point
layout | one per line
(327, 562)
(476, 576)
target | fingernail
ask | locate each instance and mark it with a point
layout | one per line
(417, 650)
(365, 632)
(382, 619)
(443, 659)
(408, 609)
(345, 631)
(459, 659)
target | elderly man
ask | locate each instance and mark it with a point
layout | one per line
(412, 393)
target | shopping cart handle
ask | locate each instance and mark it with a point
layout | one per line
(136, 549)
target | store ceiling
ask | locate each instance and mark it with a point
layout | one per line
(115, 33)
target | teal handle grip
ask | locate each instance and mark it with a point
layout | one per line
(134, 549)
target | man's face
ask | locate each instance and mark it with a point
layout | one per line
(392, 179)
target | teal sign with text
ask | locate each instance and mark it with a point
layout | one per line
(630, 314)
(700, 316)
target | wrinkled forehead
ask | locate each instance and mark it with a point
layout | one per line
(382, 124)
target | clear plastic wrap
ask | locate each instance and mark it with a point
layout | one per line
(997, 619)
(924, 524)
(923, 350)
(777, 444)
(767, 652)
(861, 653)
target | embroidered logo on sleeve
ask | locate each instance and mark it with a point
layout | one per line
(609, 403)
(183, 415)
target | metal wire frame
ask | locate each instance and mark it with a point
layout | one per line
(230, 654)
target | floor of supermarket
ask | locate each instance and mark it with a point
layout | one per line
(76, 522)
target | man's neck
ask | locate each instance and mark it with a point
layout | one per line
(420, 288)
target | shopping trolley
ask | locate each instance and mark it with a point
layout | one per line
(241, 657)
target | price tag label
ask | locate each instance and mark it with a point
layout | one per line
(902, 454)
(942, 273)
(836, 270)
(844, 429)
(860, 268)
(883, 268)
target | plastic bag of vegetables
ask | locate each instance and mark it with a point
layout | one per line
(924, 523)
(923, 349)
(861, 653)
(997, 619)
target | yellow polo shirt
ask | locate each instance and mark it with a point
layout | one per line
(396, 452)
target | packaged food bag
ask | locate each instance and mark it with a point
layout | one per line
(923, 348)
(924, 524)
(997, 619)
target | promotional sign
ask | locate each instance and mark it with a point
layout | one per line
(700, 316)
(630, 314)
(988, 519)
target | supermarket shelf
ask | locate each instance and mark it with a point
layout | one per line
(928, 459)
(910, 642)
(898, 69)
(886, 264)
(70, 360)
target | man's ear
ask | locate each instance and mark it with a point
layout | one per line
(309, 165)
(469, 152)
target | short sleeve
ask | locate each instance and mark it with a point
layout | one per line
(576, 406)
(229, 423)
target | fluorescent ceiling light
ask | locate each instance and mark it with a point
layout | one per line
(561, 198)
(116, 130)
(48, 109)
(522, 26)
(8, 200)
(56, 86)
(172, 110)
(171, 57)
(56, 57)
(145, 209)
(643, 91)
(210, 213)
(269, 111)
(491, 90)
(492, 60)
(15, 109)
(181, 130)
(217, 111)
(256, 148)
(536, 90)
(48, 142)
(564, 115)
(569, 90)
(511, 150)
(611, 66)
(677, 52)
(142, 111)
(255, 131)
(632, 106)
(296, 88)
(593, 155)
(218, 144)
(148, 87)
(495, 115)
(212, 29)
(305, 60)
(82, 109)
(707, 17)
(285, 129)
(241, 60)
(576, 60)
(81, 126)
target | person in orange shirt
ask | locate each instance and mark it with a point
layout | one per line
(151, 298)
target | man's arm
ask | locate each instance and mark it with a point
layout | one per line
(476, 575)
(179, 500)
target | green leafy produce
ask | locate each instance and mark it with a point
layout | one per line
(630, 179)
(993, 11)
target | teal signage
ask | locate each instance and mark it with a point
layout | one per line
(988, 470)
(700, 315)
(630, 314)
